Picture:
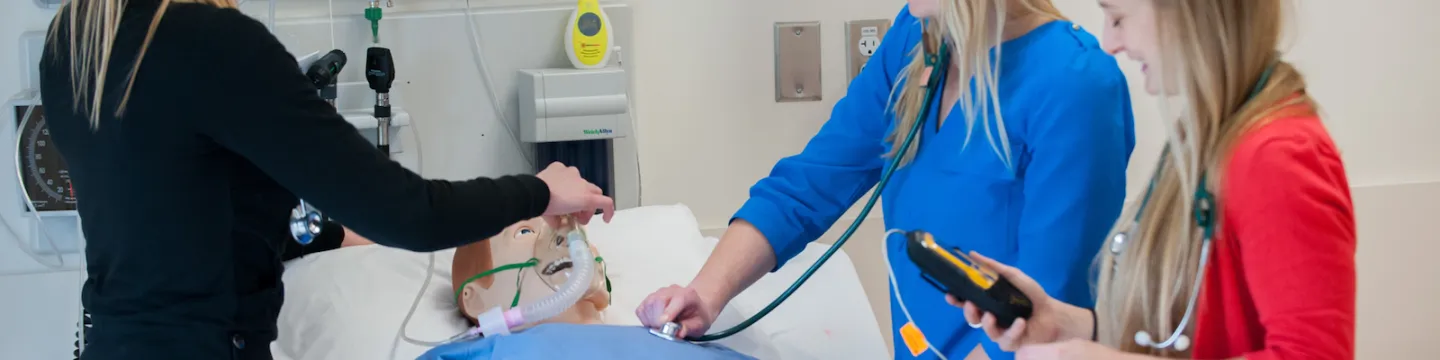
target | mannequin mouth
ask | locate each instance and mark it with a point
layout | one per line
(557, 266)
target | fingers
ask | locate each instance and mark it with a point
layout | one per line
(1012, 336)
(993, 265)
(994, 332)
(692, 326)
(999, 335)
(672, 304)
(584, 217)
(605, 204)
(1025, 283)
(677, 305)
(652, 308)
(553, 221)
(972, 314)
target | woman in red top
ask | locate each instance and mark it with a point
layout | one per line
(1278, 258)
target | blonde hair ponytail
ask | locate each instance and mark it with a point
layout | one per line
(92, 26)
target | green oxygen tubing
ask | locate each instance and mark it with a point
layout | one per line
(939, 64)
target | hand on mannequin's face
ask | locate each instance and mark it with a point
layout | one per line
(518, 244)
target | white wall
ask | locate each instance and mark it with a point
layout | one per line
(711, 128)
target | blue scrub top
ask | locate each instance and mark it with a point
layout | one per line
(1067, 115)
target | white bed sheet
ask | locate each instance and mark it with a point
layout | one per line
(349, 303)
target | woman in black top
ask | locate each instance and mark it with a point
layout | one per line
(189, 156)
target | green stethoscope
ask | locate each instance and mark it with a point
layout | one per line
(1204, 216)
(939, 64)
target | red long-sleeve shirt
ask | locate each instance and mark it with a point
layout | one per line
(1281, 280)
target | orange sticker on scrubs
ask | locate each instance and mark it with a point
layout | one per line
(914, 340)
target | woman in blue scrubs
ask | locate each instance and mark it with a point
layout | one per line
(1036, 182)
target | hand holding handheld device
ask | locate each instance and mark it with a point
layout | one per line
(955, 273)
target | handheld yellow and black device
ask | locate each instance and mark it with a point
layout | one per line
(954, 273)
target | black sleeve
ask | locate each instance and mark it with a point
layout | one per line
(269, 113)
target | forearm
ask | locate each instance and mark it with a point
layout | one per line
(359, 186)
(738, 261)
(1077, 323)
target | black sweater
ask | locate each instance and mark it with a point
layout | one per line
(185, 199)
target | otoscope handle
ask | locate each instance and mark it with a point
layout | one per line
(379, 69)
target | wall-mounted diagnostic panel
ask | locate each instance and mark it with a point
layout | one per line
(862, 39)
(45, 175)
(41, 182)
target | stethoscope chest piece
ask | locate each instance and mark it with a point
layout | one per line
(305, 224)
(670, 331)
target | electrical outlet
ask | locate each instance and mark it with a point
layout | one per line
(862, 39)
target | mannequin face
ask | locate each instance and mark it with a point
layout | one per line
(517, 244)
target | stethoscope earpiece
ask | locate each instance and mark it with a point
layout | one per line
(1180, 343)
(1142, 338)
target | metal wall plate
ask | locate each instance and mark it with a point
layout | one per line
(862, 38)
(797, 61)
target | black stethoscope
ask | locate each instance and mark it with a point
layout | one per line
(1204, 216)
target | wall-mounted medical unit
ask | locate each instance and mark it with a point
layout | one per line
(572, 115)
(38, 208)
(572, 104)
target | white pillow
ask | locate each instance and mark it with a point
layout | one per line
(348, 303)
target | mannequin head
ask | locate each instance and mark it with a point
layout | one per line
(518, 244)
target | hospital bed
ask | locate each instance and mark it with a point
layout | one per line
(349, 303)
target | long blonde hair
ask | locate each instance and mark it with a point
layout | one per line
(92, 26)
(1215, 52)
(972, 28)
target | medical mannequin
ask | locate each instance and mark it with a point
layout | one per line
(518, 244)
(527, 257)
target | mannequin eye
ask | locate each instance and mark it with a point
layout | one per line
(526, 231)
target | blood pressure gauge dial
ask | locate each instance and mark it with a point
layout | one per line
(46, 177)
